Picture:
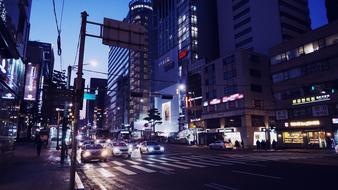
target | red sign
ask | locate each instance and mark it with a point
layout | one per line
(183, 54)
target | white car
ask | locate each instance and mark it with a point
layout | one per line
(221, 145)
(119, 149)
(94, 152)
(103, 142)
(151, 147)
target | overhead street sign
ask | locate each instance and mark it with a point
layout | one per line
(122, 34)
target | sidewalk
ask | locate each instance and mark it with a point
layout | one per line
(24, 170)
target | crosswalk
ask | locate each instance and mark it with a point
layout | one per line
(175, 163)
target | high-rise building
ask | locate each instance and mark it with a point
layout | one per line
(304, 85)
(40, 59)
(260, 24)
(186, 32)
(331, 10)
(129, 72)
(96, 109)
(14, 32)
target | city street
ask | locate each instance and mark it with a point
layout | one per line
(183, 167)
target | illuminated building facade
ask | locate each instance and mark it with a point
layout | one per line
(129, 72)
(304, 76)
(14, 30)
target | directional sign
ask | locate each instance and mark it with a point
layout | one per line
(88, 96)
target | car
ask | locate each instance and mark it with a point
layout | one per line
(221, 145)
(120, 149)
(82, 144)
(151, 147)
(94, 152)
(103, 142)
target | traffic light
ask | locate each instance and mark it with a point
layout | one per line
(313, 88)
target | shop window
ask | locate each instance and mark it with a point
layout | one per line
(308, 48)
(300, 51)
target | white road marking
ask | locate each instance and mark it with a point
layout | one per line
(176, 166)
(145, 161)
(202, 162)
(169, 159)
(156, 160)
(219, 186)
(78, 182)
(132, 162)
(217, 162)
(255, 174)
(160, 167)
(104, 165)
(125, 171)
(105, 173)
(117, 163)
(143, 169)
(190, 164)
(226, 160)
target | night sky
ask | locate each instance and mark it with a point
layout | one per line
(43, 27)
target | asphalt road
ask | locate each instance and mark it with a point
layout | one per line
(196, 168)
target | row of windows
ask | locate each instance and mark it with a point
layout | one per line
(293, 28)
(242, 13)
(311, 111)
(302, 71)
(292, 7)
(305, 49)
(239, 4)
(243, 22)
(293, 18)
(244, 42)
(243, 32)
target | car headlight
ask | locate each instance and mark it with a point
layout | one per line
(150, 149)
(108, 141)
(115, 150)
(80, 144)
(105, 153)
(130, 147)
(162, 148)
(97, 141)
(86, 154)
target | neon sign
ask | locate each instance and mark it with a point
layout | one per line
(215, 101)
(232, 98)
(303, 123)
(312, 99)
(183, 54)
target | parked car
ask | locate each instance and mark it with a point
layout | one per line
(151, 147)
(119, 149)
(221, 145)
(94, 152)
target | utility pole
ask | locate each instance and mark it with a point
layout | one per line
(65, 122)
(78, 94)
(58, 129)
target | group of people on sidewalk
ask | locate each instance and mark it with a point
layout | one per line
(266, 145)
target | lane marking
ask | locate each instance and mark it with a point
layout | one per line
(125, 171)
(143, 169)
(176, 166)
(160, 167)
(105, 173)
(117, 163)
(78, 182)
(132, 162)
(255, 174)
(191, 164)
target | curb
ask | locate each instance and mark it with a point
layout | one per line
(78, 183)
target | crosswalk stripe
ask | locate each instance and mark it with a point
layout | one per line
(104, 165)
(125, 171)
(117, 163)
(156, 160)
(145, 161)
(132, 162)
(169, 159)
(176, 165)
(160, 167)
(201, 162)
(105, 173)
(226, 160)
(190, 164)
(143, 169)
(217, 162)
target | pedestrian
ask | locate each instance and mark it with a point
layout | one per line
(242, 144)
(274, 144)
(258, 144)
(263, 144)
(39, 144)
(237, 144)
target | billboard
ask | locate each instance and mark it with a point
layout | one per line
(32, 77)
(166, 112)
(11, 73)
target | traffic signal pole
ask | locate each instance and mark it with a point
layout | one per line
(78, 94)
